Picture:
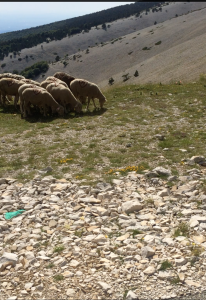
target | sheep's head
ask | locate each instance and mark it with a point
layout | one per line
(60, 110)
(102, 100)
(78, 107)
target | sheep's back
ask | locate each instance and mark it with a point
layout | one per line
(64, 77)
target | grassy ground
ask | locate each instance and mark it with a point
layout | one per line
(121, 137)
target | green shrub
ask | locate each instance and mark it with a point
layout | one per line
(165, 265)
(35, 70)
(158, 43)
(182, 230)
(111, 81)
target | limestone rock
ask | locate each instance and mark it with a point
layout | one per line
(131, 206)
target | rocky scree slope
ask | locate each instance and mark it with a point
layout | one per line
(143, 237)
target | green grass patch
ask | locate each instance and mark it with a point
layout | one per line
(58, 249)
(182, 230)
(118, 138)
(165, 265)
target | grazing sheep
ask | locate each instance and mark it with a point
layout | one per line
(10, 86)
(82, 88)
(52, 80)
(10, 75)
(20, 91)
(64, 77)
(42, 99)
(30, 81)
(64, 96)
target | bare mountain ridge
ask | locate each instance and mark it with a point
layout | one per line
(181, 48)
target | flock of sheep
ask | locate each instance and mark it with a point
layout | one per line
(59, 94)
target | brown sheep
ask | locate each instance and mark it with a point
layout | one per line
(9, 86)
(64, 77)
(42, 99)
(20, 91)
(64, 96)
(82, 88)
(10, 75)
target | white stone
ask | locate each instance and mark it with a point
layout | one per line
(104, 285)
(147, 251)
(180, 261)
(149, 271)
(74, 263)
(131, 296)
(131, 206)
(70, 292)
(168, 241)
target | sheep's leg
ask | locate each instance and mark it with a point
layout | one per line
(29, 109)
(16, 99)
(44, 109)
(4, 100)
(9, 98)
(21, 105)
(88, 103)
(25, 111)
(94, 103)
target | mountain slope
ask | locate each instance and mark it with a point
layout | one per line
(180, 37)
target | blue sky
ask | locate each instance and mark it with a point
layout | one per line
(22, 15)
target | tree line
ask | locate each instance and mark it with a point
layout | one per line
(17, 40)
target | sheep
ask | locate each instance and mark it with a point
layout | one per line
(20, 91)
(29, 81)
(64, 77)
(82, 88)
(52, 80)
(42, 99)
(10, 86)
(64, 96)
(10, 75)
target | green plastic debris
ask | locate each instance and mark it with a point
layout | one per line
(10, 215)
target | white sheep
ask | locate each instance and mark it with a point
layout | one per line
(51, 79)
(64, 96)
(42, 99)
(29, 81)
(82, 88)
(10, 86)
(20, 91)
(10, 75)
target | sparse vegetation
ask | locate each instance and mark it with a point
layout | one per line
(58, 277)
(175, 280)
(158, 43)
(58, 249)
(146, 48)
(126, 105)
(78, 233)
(50, 266)
(165, 265)
(111, 81)
(182, 230)
(126, 77)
